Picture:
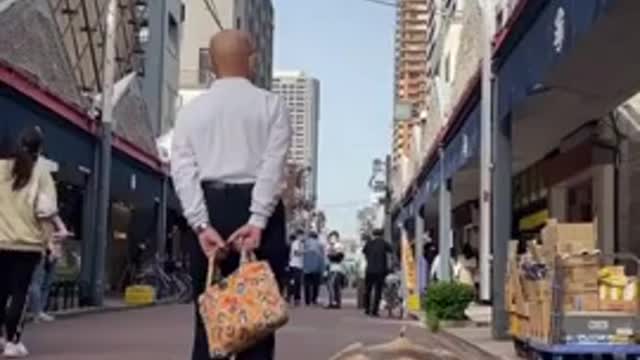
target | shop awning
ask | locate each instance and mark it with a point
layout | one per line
(542, 33)
(65, 143)
(546, 32)
(133, 182)
(464, 145)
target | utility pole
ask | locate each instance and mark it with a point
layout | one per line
(486, 147)
(388, 225)
(104, 188)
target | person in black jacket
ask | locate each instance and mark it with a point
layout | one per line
(376, 251)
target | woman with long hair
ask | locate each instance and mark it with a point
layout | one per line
(28, 220)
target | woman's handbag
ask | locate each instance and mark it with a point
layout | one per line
(243, 308)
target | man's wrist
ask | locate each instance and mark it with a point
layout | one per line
(200, 227)
(258, 221)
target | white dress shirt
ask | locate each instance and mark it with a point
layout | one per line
(234, 133)
(296, 257)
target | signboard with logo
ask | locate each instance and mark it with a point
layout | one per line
(409, 270)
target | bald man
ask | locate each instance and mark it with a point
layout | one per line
(227, 164)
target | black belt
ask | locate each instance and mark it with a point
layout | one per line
(220, 185)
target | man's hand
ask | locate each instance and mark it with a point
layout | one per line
(211, 242)
(247, 238)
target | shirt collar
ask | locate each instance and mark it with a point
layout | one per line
(230, 80)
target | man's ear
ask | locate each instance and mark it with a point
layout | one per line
(212, 66)
(253, 65)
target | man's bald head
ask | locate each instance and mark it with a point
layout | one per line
(232, 54)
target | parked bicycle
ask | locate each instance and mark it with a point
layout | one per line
(154, 274)
(169, 278)
(392, 295)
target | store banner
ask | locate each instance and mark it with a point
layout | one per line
(410, 279)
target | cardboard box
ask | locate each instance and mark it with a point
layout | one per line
(538, 290)
(619, 306)
(560, 238)
(581, 281)
(537, 253)
(513, 250)
(518, 325)
(581, 274)
(540, 325)
(589, 301)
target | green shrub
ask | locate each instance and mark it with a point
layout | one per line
(448, 300)
(433, 323)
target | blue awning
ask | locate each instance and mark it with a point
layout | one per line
(428, 186)
(546, 31)
(64, 143)
(550, 32)
(133, 182)
(465, 144)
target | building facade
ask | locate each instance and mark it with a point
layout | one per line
(302, 95)
(53, 82)
(82, 26)
(414, 36)
(160, 38)
(205, 18)
(556, 153)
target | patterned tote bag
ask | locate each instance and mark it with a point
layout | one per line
(243, 308)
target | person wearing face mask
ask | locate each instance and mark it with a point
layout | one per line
(28, 221)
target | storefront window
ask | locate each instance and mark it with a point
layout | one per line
(70, 203)
(525, 188)
(517, 191)
(580, 202)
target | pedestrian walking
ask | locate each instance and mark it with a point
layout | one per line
(430, 252)
(376, 251)
(28, 204)
(296, 262)
(43, 278)
(435, 267)
(228, 161)
(313, 267)
(337, 277)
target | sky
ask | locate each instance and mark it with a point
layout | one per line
(347, 45)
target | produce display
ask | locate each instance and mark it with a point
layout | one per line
(564, 291)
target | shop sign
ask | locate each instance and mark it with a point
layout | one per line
(560, 30)
(409, 271)
(133, 182)
(465, 146)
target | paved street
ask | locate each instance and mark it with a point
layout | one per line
(163, 333)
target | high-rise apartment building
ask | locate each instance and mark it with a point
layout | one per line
(302, 96)
(414, 36)
(206, 17)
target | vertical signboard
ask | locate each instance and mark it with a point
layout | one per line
(409, 270)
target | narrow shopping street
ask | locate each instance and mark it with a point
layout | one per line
(163, 333)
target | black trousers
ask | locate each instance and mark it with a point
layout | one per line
(374, 283)
(312, 288)
(334, 285)
(295, 284)
(16, 271)
(229, 210)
